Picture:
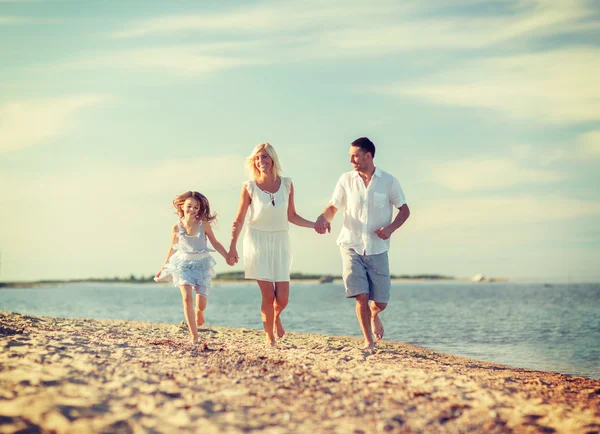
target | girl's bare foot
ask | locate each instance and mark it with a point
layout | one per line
(199, 318)
(368, 346)
(278, 328)
(194, 340)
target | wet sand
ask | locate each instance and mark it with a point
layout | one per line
(77, 376)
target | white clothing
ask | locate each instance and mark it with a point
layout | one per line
(266, 241)
(366, 210)
(268, 211)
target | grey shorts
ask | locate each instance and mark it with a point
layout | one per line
(366, 274)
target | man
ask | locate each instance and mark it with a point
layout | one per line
(366, 195)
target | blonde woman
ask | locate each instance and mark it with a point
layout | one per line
(267, 257)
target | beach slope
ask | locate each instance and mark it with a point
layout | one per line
(70, 375)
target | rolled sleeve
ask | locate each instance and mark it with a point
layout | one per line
(339, 195)
(397, 195)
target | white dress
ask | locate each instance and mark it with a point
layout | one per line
(266, 242)
(191, 264)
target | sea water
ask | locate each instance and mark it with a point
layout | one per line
(529, 325)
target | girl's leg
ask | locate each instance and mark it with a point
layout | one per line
(200, 306)
(266, 309)
(282, 295)
(188, 311)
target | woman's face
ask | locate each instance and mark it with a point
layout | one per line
(263, 161)
(190, 207)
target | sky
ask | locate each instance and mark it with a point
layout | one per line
(487, 112)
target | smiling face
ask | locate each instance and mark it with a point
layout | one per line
(263, 162)
(361, 161)
(190, 208)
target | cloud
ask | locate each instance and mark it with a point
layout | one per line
(485, 211)
(263, 18)
(9, 20)
(353, 28)
(120, 182)
(479, 174)
(588, 144)
(32, 122)
(279, 32)
(180, 60)
(584, 147)
(552, 87)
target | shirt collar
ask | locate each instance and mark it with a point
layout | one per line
(376, 173)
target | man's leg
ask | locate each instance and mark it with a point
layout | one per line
(376, 324)
(378, 272)
(363, 313)
(357, 286)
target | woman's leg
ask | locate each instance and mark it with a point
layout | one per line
(266, 309)
(200, 306)
(188, 311)
(282, 296)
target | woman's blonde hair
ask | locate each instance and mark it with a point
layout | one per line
(254, 172)
(203, 215)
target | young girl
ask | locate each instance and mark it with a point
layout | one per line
(189, 264)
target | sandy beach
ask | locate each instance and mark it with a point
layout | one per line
(77, 376)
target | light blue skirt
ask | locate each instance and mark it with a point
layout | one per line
(194, 269)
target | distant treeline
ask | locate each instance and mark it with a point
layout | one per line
(230, 276)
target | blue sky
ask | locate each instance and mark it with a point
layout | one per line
(488, 112)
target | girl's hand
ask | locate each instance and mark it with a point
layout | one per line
(233, 257)
(159, 271)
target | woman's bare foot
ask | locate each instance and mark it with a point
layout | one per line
(278, 328)
(199, 318)
(377, 327)
(194, 341)
(270, 341)
(368, 346)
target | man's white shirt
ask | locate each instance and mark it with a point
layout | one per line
(366, 209)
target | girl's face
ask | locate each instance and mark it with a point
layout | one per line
(191, 207)
(263, 161)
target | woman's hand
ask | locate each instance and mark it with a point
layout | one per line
(233, 257)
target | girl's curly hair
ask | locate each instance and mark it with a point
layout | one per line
(203, 215)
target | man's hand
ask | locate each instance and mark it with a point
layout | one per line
(384, 233)
(322, 225)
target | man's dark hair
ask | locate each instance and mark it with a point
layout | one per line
(365, 144)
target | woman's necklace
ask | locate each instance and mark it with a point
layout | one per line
(274, 188)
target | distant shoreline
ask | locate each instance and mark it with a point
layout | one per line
(309, 279)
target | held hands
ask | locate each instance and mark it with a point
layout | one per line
(322, 225)
(384, 233)
(232, 257)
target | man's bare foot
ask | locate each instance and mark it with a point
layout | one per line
(377, 327)
(278, 328)
(199, 318)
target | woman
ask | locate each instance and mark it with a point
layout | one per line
(267, 258)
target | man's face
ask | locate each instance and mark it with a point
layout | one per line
(359, 159)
